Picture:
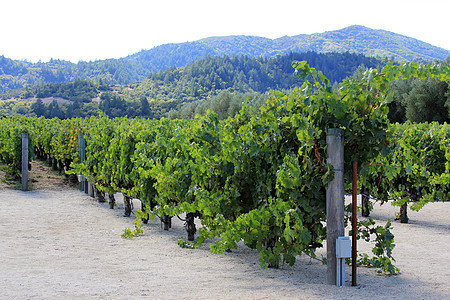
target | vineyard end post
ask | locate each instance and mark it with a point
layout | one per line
(82, 153)
(24, 161)
(354, 221)
(334, 199)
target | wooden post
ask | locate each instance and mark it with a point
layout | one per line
(82, 153)
(335, 199)
(24, 161)
(354, 219)
(90, 189)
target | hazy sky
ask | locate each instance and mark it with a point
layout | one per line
(98, 29)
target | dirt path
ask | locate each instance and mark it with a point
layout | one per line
(60, 243)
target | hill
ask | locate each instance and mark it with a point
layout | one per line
(354, 39)
(370, 42)
(170, 89)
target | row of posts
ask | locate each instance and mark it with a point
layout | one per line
(334, 197)
(83, 185)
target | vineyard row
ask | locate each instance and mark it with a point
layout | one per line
(261, 176)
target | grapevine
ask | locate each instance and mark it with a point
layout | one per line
(261, 176)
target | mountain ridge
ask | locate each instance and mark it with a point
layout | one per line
(359, 34)
(135, 67)
(354, 39)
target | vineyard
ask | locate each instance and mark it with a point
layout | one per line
(260, 177)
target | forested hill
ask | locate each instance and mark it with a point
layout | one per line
(354, 39)
(201, 80)
(243, 74)
(220, 84)
(207, 77)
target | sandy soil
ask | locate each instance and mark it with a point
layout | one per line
(57, 242)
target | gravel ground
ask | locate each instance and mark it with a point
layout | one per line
(57, 242)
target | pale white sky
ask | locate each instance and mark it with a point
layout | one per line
(99, 29)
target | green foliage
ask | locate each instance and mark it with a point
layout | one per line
(381, 43)
(353, 39)
(261, 176)
(419, 101)
(185, 244)
(287, 208)
(211, 76)
(19, 74)
(414, 166)
(81, 90)
(384, 244)
(128, 233)
(225, 104)
(426, 101)
(11, 130)
(164, 91)
(113, 105)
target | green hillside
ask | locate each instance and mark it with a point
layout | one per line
(201, 80)
(370, 42)
(355, 39)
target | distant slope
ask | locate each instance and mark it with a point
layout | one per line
(354, 39)
(370, 42)
(201, 80)
(212, 75)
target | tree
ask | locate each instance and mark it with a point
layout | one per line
(145, 107)
(38, 108)
(74, 110)
(397, 108)
(105, 104)
(447, 102)
(113, 105)
(220, 104)
(54, 111)
(427, 100)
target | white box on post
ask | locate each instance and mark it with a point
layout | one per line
(343, 251)
(343, 247)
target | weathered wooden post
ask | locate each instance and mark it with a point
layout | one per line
(335, 199)
(82, 153)
(24, 161)
(354, 221)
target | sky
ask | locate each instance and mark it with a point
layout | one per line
(88, 30)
